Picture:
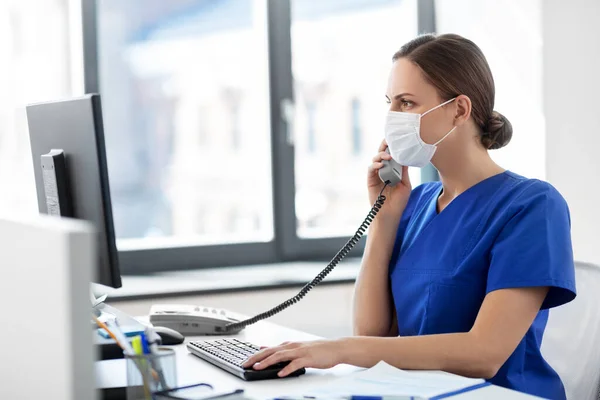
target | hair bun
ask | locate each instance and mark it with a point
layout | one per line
(497, 131)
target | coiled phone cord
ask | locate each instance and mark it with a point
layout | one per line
(319, 278)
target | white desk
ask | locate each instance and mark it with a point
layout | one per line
(191, 369)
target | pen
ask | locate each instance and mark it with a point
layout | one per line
(351, 397)
(136, 343)
(379, 397)
(122, 338)
(110, 333)
(152, 339)
(306, 397)
(145, 348)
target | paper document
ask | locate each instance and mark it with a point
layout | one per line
(385, 380)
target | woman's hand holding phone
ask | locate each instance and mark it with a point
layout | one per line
(396, 196)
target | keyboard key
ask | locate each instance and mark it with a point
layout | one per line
(233, 351)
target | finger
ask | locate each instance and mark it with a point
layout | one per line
(257, 357)
(290, 345)
(405, 176)
(382, 156)
(261, 355)
(375, 166)
(285, 355)
(293, 366)
(383, 145)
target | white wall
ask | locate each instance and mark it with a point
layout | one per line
(571, 36)
(509, 32)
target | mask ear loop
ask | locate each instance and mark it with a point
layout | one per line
(435, 108)
(445, 136)
(438, 106)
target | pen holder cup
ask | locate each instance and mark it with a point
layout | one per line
(150, 373)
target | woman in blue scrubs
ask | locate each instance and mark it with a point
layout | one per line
(457, 275)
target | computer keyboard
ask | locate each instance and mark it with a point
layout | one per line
(230, 354)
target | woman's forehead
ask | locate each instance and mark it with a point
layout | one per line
(407, 77)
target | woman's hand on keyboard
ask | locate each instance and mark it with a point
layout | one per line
(317, 354)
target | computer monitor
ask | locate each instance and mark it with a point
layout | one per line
(71, 174)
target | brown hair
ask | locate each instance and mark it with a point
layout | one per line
(455, 66)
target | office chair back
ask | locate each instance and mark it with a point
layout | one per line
(571, 343)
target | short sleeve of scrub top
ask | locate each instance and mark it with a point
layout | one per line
(534, 247)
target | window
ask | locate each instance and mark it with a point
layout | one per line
(515, 57)
(240, 131)
(311, 114)
(341, 55)
(160, 63)
(201, 119)
(36, 66)
(356, 127)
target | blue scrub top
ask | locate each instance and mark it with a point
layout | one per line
(505, 232)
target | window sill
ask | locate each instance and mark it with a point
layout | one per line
(227, 279)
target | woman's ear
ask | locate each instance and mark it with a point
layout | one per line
(463, 109)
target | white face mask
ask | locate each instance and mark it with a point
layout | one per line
(403, 136)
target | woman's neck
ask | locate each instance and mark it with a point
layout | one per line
(460, 173)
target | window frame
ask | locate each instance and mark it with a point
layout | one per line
(286, 245)
(426, 24)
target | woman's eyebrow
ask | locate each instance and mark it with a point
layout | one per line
(399, 96)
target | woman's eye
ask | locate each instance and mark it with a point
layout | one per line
(406, 104)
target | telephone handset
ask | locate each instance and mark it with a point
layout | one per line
(391, 172)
